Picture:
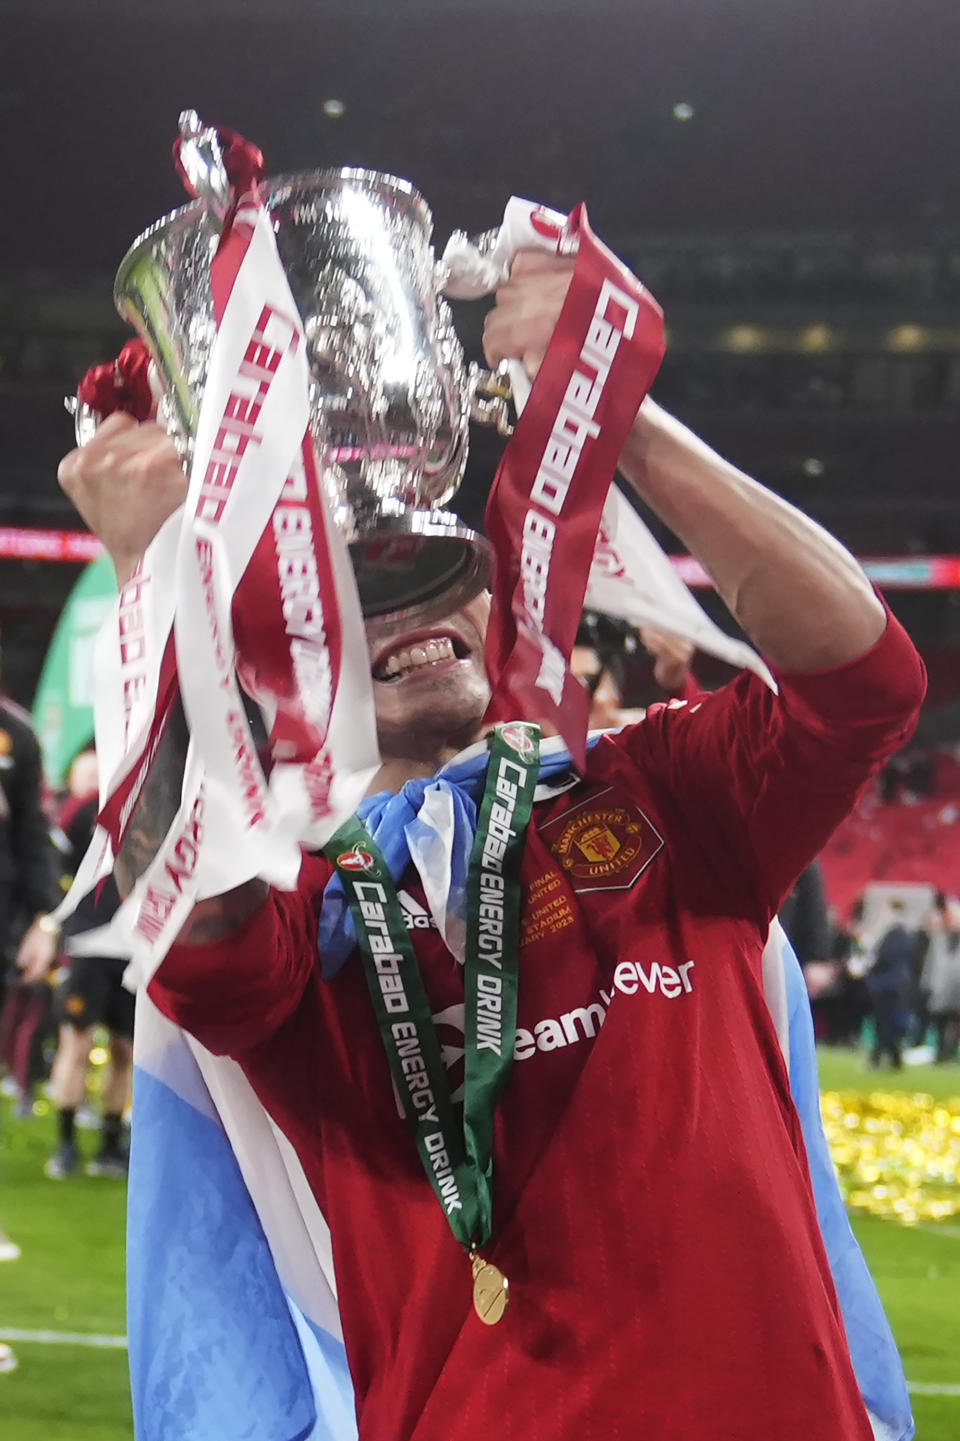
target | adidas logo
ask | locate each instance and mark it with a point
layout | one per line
(415, 916)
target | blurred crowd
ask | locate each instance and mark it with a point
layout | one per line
(892, 980)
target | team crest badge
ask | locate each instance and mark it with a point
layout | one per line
(604, 843)
(356, 859)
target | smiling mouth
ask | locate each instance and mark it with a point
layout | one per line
(420, 656)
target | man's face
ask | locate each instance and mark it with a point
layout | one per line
(430, 684)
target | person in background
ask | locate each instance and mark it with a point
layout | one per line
(672, 663)
(28, 888)
(29, 892)
(597, 662)
(889, 981)
(599, 658)
(842, 1006)
(91, 994)
(805, 918)
(940, 979)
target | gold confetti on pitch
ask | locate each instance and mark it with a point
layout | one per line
(896, 1155)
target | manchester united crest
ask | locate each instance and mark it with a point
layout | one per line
(604, 843)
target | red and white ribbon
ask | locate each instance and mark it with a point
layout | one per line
(633, 579)
(628, 575)
(545, 505)
(250, 583)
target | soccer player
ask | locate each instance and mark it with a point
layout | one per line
(651, 1205)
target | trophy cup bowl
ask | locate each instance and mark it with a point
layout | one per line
(390, 398)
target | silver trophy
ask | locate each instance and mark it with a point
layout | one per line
(390, 396)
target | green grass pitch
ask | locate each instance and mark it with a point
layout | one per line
(70, 1279)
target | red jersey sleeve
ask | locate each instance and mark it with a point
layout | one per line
(236, 992)
(763, 780)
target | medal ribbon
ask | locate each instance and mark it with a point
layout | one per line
(458, 1160)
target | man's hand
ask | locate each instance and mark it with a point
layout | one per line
(125, 482)
(671, 656)
(38, 950)
(527, 308)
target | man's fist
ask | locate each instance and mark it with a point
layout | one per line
(671, 655)
(527, 309)
(125, 482)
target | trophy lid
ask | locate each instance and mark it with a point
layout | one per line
(275, 190)
(420, 566)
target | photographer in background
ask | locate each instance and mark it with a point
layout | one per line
(599, 660)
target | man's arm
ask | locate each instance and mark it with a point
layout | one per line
(799, 595)
(243, 960)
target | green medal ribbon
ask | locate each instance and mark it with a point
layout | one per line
(458, 1159)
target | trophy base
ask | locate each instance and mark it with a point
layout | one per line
(419, 566)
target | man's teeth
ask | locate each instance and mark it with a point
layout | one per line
(428, 652)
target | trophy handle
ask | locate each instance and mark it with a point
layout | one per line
(469, 269)
(490, 393)
(200, 157)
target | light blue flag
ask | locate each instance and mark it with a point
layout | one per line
(876, 1361)
(231, 1333)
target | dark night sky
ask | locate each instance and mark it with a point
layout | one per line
(816, 116)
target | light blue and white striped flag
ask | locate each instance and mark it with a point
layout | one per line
(232, 1314)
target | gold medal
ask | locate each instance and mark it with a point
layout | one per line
(491, 1291)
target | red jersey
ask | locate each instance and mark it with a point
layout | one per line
(652, 1207)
